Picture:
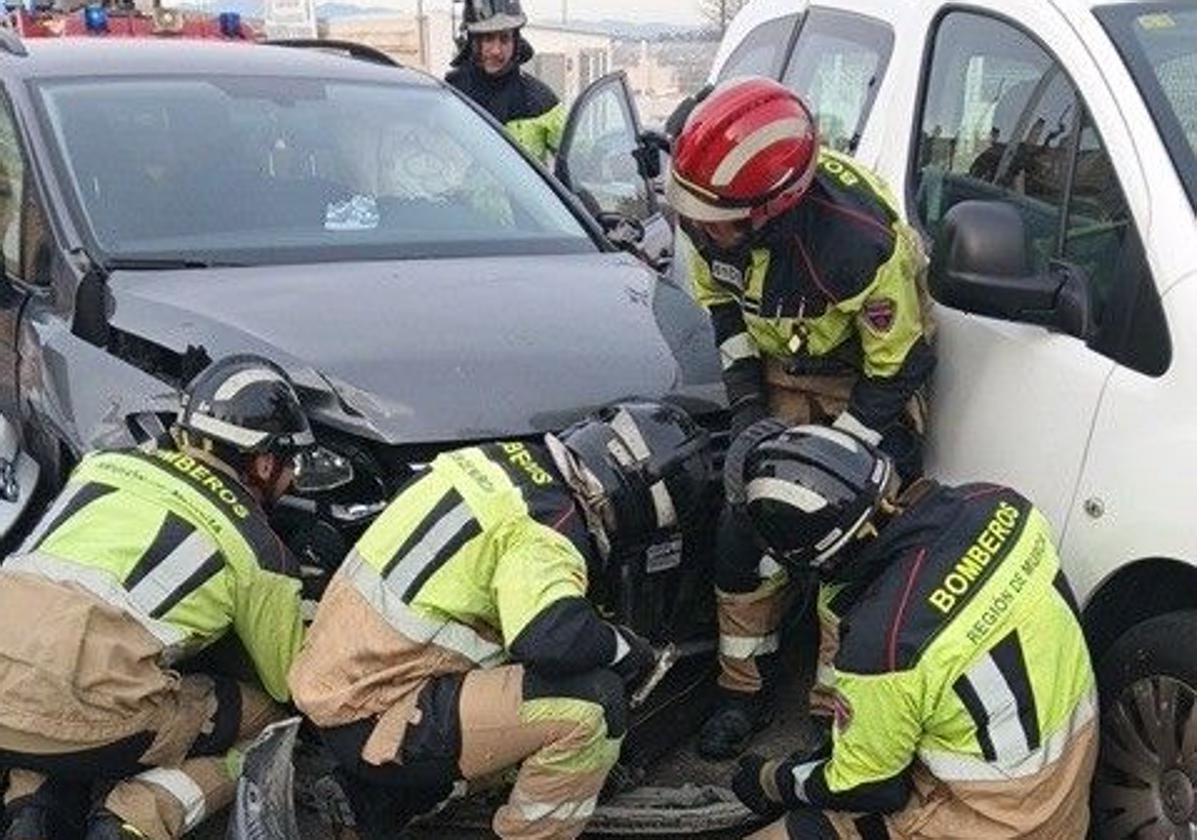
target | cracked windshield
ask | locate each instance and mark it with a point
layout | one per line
(241, 170)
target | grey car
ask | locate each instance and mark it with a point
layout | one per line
(165, 203)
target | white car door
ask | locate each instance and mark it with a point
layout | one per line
(998, 117)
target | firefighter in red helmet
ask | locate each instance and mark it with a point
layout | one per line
(815, 286)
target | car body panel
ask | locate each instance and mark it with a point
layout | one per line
(749, 18)
(434, 350)
(1020, 403)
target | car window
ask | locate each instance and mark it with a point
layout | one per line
(837, 65)
(12, 188)
(1002, 121)
(265, 170)
(600, 155)
(1159, 44)
(763, 50)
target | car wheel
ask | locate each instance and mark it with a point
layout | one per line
(1146, 780)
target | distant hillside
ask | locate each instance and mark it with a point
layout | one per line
(335, 10)
(616, 28)
(629, 30)
(255, 8)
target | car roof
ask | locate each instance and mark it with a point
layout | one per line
(60, 57)
(759, 11)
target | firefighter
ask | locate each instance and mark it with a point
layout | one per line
(964, 695)
(489, 70)
(457, 639)
(815, 290)
(144, 559)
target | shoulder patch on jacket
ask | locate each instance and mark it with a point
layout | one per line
(878, 314)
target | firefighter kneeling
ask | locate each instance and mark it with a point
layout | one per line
(144, 559)
(481, 560)
(963, 692)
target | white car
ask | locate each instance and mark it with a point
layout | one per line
(1067, 311)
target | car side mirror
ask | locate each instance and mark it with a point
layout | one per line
(981, 264)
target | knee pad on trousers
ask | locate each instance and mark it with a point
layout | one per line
(221, 732)
(601, 687)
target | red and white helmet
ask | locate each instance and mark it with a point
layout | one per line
(747, 152)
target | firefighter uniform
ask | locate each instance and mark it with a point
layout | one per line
(524, 105)
(456, 641)
(964, 696)
(142, 560)
(825, 314)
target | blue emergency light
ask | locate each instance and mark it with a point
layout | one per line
(95, 19)
(230, 24)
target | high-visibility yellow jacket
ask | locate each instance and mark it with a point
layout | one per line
(962, 660)
(143, 559)
(834, 286)
(480, 560)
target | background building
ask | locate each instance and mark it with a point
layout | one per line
(566, 59)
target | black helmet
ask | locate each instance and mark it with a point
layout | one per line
(244, 405)
(482, 16)
(808, 490)
(639, 467)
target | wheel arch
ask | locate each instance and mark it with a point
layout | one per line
(1134, 593)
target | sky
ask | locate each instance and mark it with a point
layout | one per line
(639, 11)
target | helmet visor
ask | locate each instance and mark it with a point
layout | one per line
(319, 470)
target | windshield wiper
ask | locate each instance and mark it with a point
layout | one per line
(164, 264)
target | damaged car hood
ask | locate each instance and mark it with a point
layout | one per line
(441, 350)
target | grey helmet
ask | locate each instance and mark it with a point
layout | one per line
(484, 16)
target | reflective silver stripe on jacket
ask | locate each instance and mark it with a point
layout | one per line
(426, 551)
(164, 582)
(104, 587)
(957, 767)
(50, 516)
(388, 603)
(736, 349)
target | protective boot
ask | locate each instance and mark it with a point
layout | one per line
(381, 813)
(104, 825)
(30, 821)
(54, 812)
(738, 717)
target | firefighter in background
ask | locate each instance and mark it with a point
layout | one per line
(815, 288)
(144, 559)
(489, 70)
(457, 639)
(964, 697)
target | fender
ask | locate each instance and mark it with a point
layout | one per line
(19, 474)
(265, 805)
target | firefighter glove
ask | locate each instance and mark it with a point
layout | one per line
(634, 659)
